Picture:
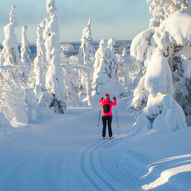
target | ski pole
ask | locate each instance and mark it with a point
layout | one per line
(99, 117)
(116, 116)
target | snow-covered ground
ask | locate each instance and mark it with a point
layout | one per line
(151, 149)
(66, 152)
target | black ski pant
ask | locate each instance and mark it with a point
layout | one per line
(107, 120)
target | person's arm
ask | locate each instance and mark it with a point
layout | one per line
(114, 102)
(101, 101)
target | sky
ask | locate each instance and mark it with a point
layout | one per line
(120, 19)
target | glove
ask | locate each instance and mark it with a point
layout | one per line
(102, 98)
(114, 98)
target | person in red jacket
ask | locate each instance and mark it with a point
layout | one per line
(107, 113)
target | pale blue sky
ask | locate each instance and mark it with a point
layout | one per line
(121, 19)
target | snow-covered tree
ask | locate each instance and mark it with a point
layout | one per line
(51, 7)
(40, 65)
(112, 58)
(72, 81)
(125, 68)
(10, 53)
(86, 49)
(163, 91)
(12, 92)
(43, 32)
(86, 58)
(25, 52)
(51, 90)
(55, 77)
(105, 67)
(51, 24)
(12, 97)
(141, 51)
(161, 9)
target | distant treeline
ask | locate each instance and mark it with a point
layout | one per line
(120, 44)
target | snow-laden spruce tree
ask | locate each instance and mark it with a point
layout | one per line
(55, 77)
(28, 75)
(72, 81)
(124, 68)
(12, 97)
(86, 48)
(51, 26)
(163, 91)
(86, 59)
(53, 96)
(105, 67)
(40, 64)
(161, 9)
(12, 91)
(10, 53)
(25, 52)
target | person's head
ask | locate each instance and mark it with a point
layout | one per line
(107, 97)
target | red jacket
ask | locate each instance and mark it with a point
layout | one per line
(107, 106)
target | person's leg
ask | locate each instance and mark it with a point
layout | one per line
(109, 126)
(104, 126)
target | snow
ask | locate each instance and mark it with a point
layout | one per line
(186, 59)
(9, 31)
(49, 75)
(10, 54)
(4, 123)
(87, 33)
(12, 103)
(166, 175)
(163, 54)
(140, 44)
(105, 69)
(67, 153)
(158, 76)
(10, 38)
(172, 117)
(178, 32)
(49, 151)
(86, 59)
(39, 68)
(50, 7)
(67, 47)
(25, 52)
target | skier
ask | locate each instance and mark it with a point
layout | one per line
(107, 114)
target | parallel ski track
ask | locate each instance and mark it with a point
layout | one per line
(105, 169)
(83, 165)
(101, 177)
(90, 155)
(131, 181)
(103, 172)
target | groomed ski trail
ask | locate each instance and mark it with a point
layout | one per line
(61, 153)
(91, 167)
